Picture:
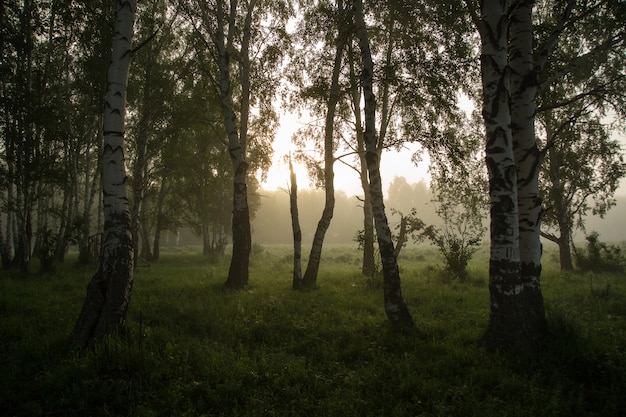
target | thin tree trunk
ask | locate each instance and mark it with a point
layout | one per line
(310, 275)
(295, 226)
(560, 206)
(238, 273)
(108, 293)
(5, 255)
(156, 247)
(145, 253)
(368, 267)
(402, 238)
(395, 308)
(369, 262)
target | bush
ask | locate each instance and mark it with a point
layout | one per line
(599, 256)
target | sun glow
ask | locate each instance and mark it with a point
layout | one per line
(393, 164)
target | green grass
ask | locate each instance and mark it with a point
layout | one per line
(196, 349)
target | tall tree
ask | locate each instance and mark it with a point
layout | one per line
(156, 67)
(416, 87)
(333, 95)
(233, 33)
(108, 293)
(524, 86)
(582, 170)
(512, 67)
(395, 307)
(506, 327)
(580, 104)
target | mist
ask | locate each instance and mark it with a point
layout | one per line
(272, 222)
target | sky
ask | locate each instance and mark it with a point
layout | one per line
(393, 164)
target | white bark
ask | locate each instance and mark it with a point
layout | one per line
(395, 308)
(499, 150)
(237, 133)
(527, 156)
(108, 294)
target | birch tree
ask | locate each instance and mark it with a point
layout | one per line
(108, 293)
(243, 47)
(395, 307)
(507, 319)
(580, 105)
(520, 72)
(524, 87)
(333, 96)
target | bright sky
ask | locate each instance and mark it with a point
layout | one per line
(393, 164)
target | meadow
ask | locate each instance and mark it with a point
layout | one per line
(195, 349)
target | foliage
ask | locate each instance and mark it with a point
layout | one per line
(409, 226)
(194, 348)
(45, 250)
(458, 238)
(600, 256)
(459, 189)
(582, 84)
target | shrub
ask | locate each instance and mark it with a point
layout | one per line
(599, 256)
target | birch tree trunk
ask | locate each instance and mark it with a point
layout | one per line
(310, 275)
(295, 226)
(108, 293)
(368, 267)
(505, 286)
(238, 273)
(528, 160)
(369, 262)
(395, 308)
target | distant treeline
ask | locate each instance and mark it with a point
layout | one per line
(272, 223)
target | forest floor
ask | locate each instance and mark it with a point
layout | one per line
(194, 348)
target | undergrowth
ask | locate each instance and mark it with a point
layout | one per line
(194, 348)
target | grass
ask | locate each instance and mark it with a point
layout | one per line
(196, 349)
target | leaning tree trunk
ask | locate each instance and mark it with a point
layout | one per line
(395, 308)
(295, 226)
(108, 293)
(528, 160)
(368, 267)
(310, 275)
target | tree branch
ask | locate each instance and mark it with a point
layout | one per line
(549, 236)
(548, 47)
(578, 61)
(144, 42)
